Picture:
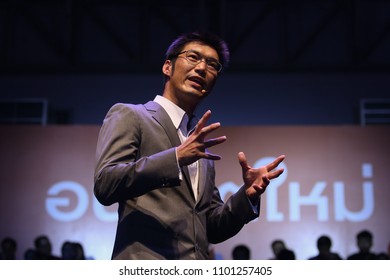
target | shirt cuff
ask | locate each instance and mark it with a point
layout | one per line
(178, 167)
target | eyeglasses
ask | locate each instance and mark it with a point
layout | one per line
(194, 58)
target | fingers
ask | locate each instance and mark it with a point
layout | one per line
(195, 146)
(209, 143)
(201, 129)
(266, 180)
(212, 142)
(211, 156)
(202, 122)
(275, 163)
(242, 160)
(275, 174)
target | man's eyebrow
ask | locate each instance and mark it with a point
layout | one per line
(206, 57)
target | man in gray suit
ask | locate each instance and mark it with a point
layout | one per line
(163, 177)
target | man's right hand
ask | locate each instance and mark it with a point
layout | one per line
(194, 147)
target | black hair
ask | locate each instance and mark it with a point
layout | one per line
(364, 234)
(10, 241)
(206, 38)
(324, 242)
(241, 252)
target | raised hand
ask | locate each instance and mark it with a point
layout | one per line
(194, 147)
(256, 180)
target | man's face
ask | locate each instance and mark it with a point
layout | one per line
(195, 79)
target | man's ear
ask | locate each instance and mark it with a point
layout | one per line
(167, 68)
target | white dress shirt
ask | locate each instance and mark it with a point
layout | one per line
(180, 120)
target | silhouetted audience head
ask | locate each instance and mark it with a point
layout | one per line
(42, 249)
(324, 243)
(75, 251)
(79, 251)
(286, 254)
(68, 251)
(364, 241)
(42, 245)
(72, 251)
(277, 246)
(30, 254)
(241, 252)
(8, 249)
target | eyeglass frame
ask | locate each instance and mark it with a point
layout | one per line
(207, 60)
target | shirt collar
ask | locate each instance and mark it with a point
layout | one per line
(175, 112)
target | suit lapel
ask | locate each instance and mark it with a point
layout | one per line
(162, 117)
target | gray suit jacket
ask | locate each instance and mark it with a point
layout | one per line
(158, 217)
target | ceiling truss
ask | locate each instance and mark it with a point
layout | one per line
(123, 35)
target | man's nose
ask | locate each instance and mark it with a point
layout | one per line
(202, 65)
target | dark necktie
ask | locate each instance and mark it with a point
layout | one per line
(184, 125)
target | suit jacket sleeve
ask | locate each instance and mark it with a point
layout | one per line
(225, 220)
(120, 173)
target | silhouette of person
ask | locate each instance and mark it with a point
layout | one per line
(324, 243)
(68, 251)
(72, 251)
(8, 249)
(364, 241)
(286, 254)
(241, 252)
(43, 249)
(79, 251)
(277, 246)
(30, 254)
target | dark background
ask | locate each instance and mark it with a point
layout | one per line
(305, 62)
